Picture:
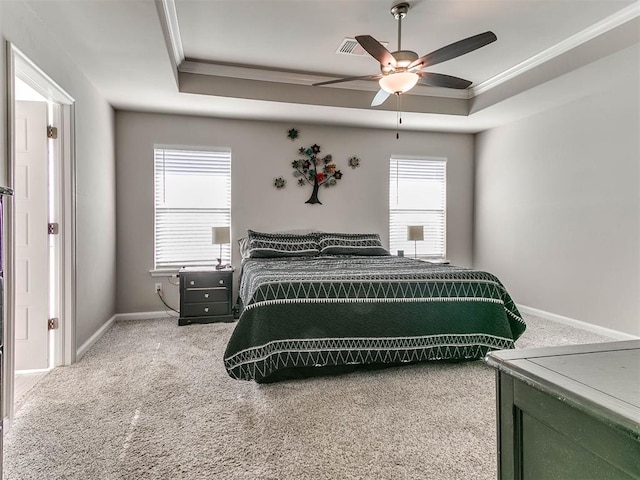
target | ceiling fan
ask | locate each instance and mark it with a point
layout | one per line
(402, 70)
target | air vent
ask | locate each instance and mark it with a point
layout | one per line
(350, 46)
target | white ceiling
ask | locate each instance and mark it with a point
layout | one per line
(258, 58)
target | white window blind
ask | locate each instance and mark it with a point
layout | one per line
(192, 194)
(417, 196)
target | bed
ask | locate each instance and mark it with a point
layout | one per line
(318, 310)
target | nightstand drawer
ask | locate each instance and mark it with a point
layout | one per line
(206, 280)
(216, 294)
(205, 309)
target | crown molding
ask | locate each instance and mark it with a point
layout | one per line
(173, 30)
(619, 18)
(200, 67)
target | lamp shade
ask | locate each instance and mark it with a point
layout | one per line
(220, 235)
(415, 233)
(399, 82)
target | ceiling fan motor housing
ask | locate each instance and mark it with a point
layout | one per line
(404, 58)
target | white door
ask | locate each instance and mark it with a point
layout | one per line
(31, 237)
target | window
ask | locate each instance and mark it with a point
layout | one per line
(192, 194)
(417, 196)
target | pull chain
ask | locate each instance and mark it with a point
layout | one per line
(397, 124)
(398, 116)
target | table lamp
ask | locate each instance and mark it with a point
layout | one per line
(415, 233)
(220, 236)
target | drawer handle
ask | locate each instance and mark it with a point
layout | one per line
(192, 282)
(221, 282)
(206, 295)
(206, 309)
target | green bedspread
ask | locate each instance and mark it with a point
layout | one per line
(306, 315)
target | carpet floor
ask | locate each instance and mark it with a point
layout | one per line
(152, 400)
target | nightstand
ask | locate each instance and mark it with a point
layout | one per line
(205, 295)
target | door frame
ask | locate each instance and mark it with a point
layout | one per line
(19, 65)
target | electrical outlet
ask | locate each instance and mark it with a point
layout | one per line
(158, 287)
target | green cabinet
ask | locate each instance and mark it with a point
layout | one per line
(569, 412)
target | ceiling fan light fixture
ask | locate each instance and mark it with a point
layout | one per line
(399, 82)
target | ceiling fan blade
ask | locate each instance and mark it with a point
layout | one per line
(380, 98)
(376, 50)
(441, 80)
(347, 79)
(454, 50)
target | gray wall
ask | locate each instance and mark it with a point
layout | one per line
(261, 151)
(95, 159)
(557, 208)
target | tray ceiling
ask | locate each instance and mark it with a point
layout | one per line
(258, 58)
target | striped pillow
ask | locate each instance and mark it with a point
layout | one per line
(351, 244)
(264, 245)
(243, 246)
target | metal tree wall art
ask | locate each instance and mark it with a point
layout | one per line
(315, 171)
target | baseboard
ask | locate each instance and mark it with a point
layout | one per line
(607, 332)
(84, 348)
(143, 316)
(118, 317)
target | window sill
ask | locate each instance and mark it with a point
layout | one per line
(164, 272)
(442, 261)
(170, 272)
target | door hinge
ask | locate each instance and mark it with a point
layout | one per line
(52, 324)
(52, 132)
(52, 228)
